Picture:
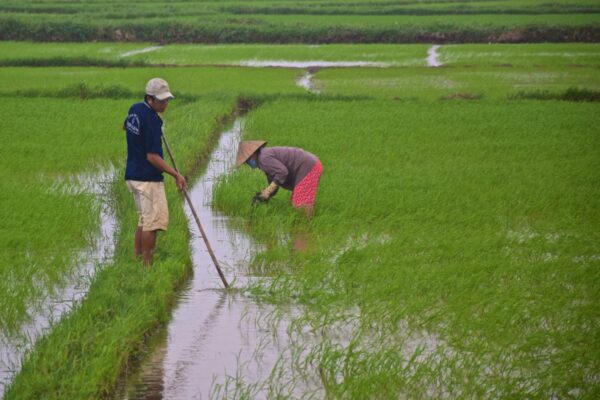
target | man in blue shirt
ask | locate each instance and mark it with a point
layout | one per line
(145, 166)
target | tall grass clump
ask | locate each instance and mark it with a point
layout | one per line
(461, 240)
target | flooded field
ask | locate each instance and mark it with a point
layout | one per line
(49, 309)
(453, 252)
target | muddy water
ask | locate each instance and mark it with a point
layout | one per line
(48, 309)
(432, 56)
(216, 339)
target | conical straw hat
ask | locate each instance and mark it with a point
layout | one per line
(246, 149)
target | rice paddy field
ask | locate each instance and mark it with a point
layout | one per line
(455, 249)
(455, 245)
(293, 21)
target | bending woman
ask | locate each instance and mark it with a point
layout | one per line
(288, 167)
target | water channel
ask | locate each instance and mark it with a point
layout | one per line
(217, 340)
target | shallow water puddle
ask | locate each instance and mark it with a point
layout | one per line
(141, 51)
(433, 56)
(217, 341)
(311, 64)
(45, 311)
(306, 82)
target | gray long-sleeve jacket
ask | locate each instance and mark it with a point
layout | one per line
(287, 166)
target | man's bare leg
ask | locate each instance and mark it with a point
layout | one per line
(148, 244)
(138, 242)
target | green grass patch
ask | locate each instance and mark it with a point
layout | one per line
(433, 83)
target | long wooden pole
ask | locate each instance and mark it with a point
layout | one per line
(187, 197)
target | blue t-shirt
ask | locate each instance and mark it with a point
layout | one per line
(143, 129)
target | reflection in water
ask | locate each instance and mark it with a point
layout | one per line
(217, 339)
(302, 242)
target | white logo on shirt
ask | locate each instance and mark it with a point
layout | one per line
(133, 124)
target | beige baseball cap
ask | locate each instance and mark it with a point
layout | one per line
(159, 88)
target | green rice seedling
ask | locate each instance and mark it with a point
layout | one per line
(15, 51)
(465, 236)
(459, 238)
(146, 9)
(530, 55)
(44, 227)
(412, 8)
(122, 55)
(212, 81)
(572, 94)
(502, 22)
(438, 21)
(84, 355)
(225, 54)
(433, 83)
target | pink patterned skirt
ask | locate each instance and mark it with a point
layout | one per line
(305, 192)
